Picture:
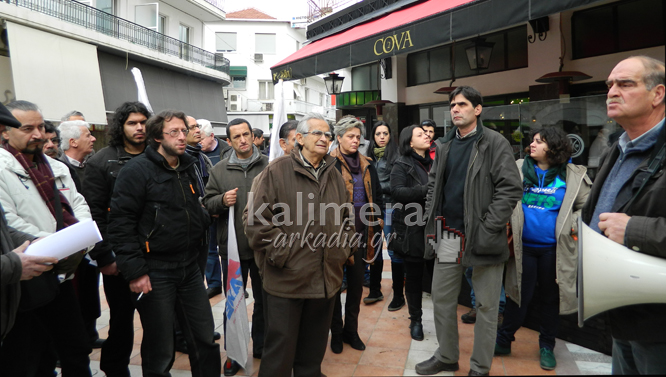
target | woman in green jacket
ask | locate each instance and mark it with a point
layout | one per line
(544, 226)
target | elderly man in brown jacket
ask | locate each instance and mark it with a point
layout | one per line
(298, 224)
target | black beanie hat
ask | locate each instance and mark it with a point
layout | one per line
(7, 119)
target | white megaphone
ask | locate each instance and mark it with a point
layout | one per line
(611, 275)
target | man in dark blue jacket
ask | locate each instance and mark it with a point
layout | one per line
(157, 228)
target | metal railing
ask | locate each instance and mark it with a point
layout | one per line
(100, 21)
(219, 4)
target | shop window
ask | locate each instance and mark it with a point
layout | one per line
(617, 27)
(509, 52)
(365, 77)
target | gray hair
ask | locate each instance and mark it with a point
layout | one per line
(70, 130)
(346, 123)
(303, 126)
(22, 106)
(77, 113)
(205, 127)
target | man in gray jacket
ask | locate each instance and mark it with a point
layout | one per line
(473, 186)
(228, 185)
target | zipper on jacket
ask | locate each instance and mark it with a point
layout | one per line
(185, 206)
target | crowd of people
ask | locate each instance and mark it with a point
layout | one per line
(459, 206)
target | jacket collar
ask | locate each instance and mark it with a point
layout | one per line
(7, 161)
(337, 154)
(235, 161)
(454, 131)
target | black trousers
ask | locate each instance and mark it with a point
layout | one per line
(87, 289)
(28, 348)
(296, 336)
(353, 303)
(117, 349)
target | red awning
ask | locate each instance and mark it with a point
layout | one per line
(417, 27)
(378, 26)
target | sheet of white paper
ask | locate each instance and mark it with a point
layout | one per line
(67, 241)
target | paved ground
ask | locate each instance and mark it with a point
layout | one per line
(389, 349)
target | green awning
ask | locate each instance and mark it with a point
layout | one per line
(238, 71)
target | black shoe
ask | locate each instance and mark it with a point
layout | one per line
(469, 317)
(472, 372)
(257, 355)
(231, 367)
(434, 366)
(247, 294)
(354, 341)
(181, 347)
(213, 291)
(397, 303)
(373, 297)
(336, 343)
(416, 330)
(366, 282)
(216, 335)
(98, 343)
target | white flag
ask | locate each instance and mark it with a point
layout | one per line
(279, 118)
(238, 328)
(141, 88)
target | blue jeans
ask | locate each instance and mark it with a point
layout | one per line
(177, 292)
(213, 270)
(468, 276)
(635, 357)
(538, 267)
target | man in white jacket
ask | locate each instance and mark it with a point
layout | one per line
(39, 198)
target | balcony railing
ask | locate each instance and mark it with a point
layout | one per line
(219, 4)
(95, 19)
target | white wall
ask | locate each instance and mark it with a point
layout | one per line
(288, 41)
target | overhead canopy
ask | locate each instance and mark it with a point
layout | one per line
(427, 24)
(238, 71)
(57, 74)
(167, 89)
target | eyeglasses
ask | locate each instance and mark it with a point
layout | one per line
(194, 126)
(318, 134)
(174, 133)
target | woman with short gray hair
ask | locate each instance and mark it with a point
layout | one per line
(362, 184)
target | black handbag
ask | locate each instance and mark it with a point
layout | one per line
(42, 289)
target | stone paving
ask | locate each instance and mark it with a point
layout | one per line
(390, 351)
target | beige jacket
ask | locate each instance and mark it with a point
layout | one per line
(578, 188)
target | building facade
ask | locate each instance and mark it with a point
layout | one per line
(254, 41)
(65, 55)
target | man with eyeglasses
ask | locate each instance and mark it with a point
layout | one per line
(157, 228)
(229, 185)
(39, 197)
(298, 225)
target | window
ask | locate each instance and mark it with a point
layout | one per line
(307, 95)
(184, 33)
(322, 99)
(162, 24)
(617, 27)
(266, 90)
(104, 5)
(238, 82)
(225, 42)
(365, 77)
(509, 52)
(146, 15)
(264, 43)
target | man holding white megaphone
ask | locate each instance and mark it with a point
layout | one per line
(626, 205)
